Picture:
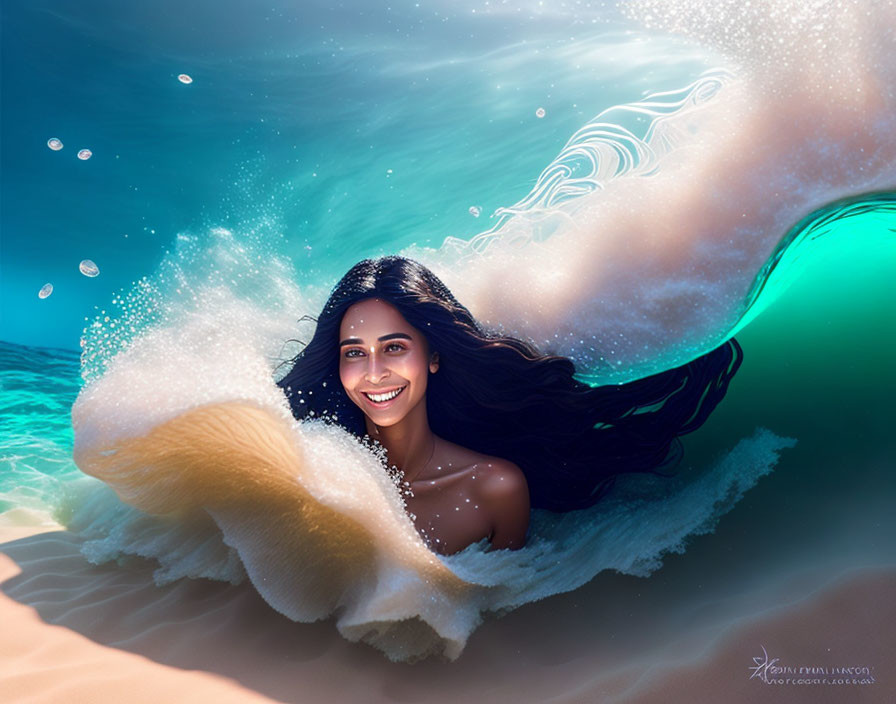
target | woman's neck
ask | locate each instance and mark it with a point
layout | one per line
(409, 443)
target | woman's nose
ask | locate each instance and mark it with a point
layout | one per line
(376, 370)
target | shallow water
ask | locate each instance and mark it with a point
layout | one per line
(667, 223)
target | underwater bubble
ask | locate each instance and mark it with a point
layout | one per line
(54, 144)
(539, 113)
(185, 79)
(475, 210)
(88, 268)
(45, 291)
(85, 154)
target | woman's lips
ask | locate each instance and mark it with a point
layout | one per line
(383, 404)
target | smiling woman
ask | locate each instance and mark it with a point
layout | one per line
(484, 427)
(457, 497)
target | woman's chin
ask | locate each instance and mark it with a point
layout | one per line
(383, 420)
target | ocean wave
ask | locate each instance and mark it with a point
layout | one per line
(639, 244)
(643, 245)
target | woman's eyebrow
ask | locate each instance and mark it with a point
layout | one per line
(390, 336)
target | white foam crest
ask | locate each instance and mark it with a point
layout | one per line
(205, 328)
(209, 356)
(234, 290)
(635, 250)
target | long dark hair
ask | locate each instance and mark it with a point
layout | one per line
(501, 397)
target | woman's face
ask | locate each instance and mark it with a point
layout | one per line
(383, 361)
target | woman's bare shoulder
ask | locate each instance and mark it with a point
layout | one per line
(497, 476)
(504, 493)
(500, 487)
(502, 479)
(499, 480)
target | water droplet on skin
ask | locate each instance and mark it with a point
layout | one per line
(539, 113)
(85, 154)
(45, 291)
(54, 144)
(475, 211)
(88, 268)
(185, 79)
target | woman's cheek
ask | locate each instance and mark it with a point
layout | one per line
(347, 379)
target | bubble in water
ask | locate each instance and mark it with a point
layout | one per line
(85, 154)
(88, 268)
(475, 210)
(54, 144)
(539, 113)
(185, 79)
(45, 291)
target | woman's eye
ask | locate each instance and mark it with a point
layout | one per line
(390, 347)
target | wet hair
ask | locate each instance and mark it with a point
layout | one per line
(501, 397)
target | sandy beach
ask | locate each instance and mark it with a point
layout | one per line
(75, 632)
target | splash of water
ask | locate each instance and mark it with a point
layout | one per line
(639, 245)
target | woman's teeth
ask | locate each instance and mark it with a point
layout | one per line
(379, 398)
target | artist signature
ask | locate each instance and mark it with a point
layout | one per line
(769, 671)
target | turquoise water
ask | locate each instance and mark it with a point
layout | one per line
(665, 199)
(352, 131)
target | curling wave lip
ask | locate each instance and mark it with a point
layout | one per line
(383, 404)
